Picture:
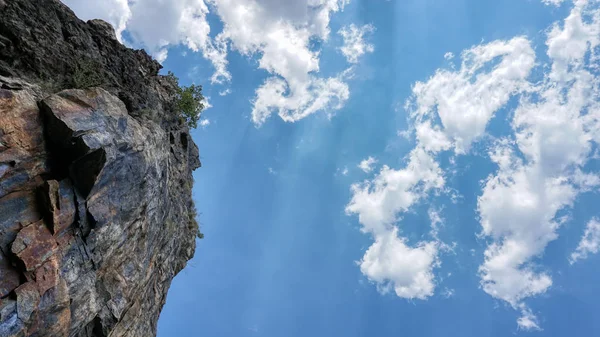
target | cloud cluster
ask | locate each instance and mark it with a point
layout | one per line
(540, 167)
(280, 34)
(464, 101)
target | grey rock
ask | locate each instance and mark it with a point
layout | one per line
(103, 28)
(28, 299)
(96, 215)
(10, 324)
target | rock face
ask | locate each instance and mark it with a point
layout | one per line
(96, 216)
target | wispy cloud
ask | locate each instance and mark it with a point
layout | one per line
(590, 242)
(368, 164)
(354, 42)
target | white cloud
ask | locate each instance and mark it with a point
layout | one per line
(567, 45)
(367, 164)
(468, 97)
(436, 222)
(182, 22)
(528, 321)
(540, 172)
(404, 134)
(278, 33)
(354, 44)
(206, 103)
(316, 94)
(553, 2)
(225, 92)
(115, 12)
(390, 262)
(465, 100)
(448, 293)
(343, 171)
(204, 122)
(517, 208)
(590, 242)
(377, 202)
(432, 137)
(449, 56)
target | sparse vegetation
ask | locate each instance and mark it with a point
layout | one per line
(50, 85)
(87, 74)
(193, 222)
(189, 101)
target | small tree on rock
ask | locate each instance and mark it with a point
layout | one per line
(189, 101)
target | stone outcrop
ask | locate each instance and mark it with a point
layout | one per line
(96, 216)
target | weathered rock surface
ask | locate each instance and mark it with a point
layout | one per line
(96, 216)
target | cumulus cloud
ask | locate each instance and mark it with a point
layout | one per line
(354, 43)
(278, 33)
(294, 91)
(465, 100)
(569, 43)
(367, 164)
(377, 202)
(590, 242)
(391, 262)
(540, 167)
(432, 138)
(540, 171)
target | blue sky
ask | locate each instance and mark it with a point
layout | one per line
(476, 215)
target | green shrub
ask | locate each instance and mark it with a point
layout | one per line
(189, 101)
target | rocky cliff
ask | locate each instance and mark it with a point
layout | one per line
(96, 216)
